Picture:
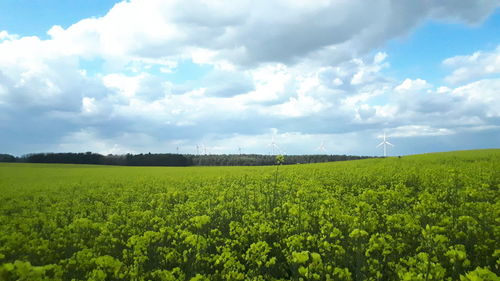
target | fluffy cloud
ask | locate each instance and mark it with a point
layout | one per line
(4, 35)
(252, 32)
(482, 97)
(301, 70)
(469, 67)
(412, 85)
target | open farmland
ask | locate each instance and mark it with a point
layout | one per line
(423, 217)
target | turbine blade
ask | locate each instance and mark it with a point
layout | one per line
(389, 143)
(382, 143)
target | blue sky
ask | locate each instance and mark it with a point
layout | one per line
(151, 76)
(420, 54)
(36, 17)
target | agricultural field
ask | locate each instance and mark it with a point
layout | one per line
(422, 217)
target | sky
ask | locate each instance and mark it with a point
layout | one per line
(162, 76)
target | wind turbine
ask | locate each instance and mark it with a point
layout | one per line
(385, 143)
(321, 147)
(239, 150)
(274, 146)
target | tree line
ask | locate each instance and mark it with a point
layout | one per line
(170, 159)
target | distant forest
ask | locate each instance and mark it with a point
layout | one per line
(168, 159)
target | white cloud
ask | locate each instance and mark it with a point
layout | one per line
(482, 95)
(88, 105)
(413, 85)
(270, 83)
(443, 90)
(469, 67)
(368, 73)
(251, 32)
(419, 131)
(4, 35)
(299, 106)
(125, 85)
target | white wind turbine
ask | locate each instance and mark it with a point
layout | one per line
(321, 147)
(385, 143)
(274, 146)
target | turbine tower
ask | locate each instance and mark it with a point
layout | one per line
(385, 143)
(321, 147)
(274, 146)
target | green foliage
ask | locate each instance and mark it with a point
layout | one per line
(480, 274)
(280, 159)
(423, 217)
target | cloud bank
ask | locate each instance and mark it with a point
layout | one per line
(304, 71)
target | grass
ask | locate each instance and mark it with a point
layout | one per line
(395, 217)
